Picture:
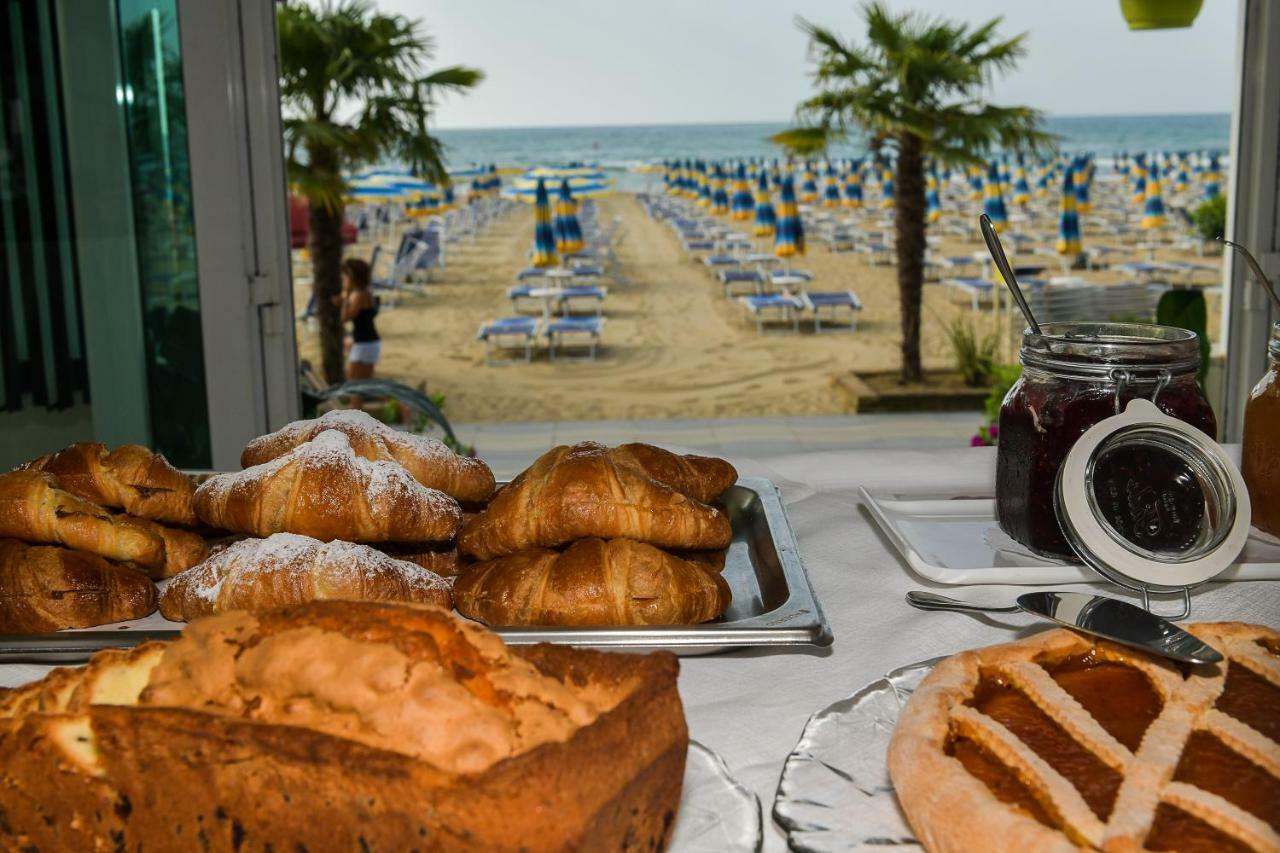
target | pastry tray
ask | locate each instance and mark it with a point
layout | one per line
(773, 604)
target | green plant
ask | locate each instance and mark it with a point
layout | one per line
(975, 358)
(1211, 218)
(352, 92)
(1004, 377)
(1187, 309)
(918, 84)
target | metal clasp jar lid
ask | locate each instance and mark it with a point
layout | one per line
(1152, 503)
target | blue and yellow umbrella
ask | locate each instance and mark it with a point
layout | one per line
(1021, 189)
(809, 186)
(741, 205)
(788, 239)
(932, 201)
(993, 200)
(1083, 186)
(1068, 219)
(766, 217)
(1138, 171)
(567, 230)
(975, 183)
(831, 187)
(719, 195)
(853, 185)
(886, 188)
(544, 237)
(1212, 178)
(704, 185)
(1153, 206)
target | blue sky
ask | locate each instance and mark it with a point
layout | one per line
(566, 62)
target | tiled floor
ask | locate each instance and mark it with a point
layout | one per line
(508, 447)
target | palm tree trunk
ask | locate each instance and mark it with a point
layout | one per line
(910, 226)
(325, 242)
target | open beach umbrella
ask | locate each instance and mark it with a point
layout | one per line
(1021, 189)
(853, 185)
(886, 188)
(831, 187)
(788, 238)
(567, 230)
(932, 202)
(741, 205)
(809, 187)
(1153, 206)
(1068, 221)
(993, 200)
(544, 237)
(1212, 178)
(719, 195)
(766, 217)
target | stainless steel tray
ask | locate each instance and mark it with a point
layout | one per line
(773, 603)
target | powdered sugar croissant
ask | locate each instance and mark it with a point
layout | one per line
(325, 490)
(429, 461)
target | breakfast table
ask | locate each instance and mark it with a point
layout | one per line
(751, 706)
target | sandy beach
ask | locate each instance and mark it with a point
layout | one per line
(673, 346)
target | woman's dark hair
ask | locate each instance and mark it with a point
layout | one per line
(358, 271)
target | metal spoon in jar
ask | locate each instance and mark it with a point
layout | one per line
(1097, 615)
(1257, 270)
(1006, 271)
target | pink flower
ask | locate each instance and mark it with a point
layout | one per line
(977, 441)
(993, 431)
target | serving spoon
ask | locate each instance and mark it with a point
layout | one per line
(1257, 270)
(1006, 271)
(1096, 615)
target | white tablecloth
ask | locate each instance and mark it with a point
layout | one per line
(751, 706)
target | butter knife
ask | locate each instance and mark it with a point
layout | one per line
(1108, 618)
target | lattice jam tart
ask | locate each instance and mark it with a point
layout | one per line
(1058, 742)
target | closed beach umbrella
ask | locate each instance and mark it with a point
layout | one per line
(719, 195)
(1153, 206)
(993, 201)
(886, 188)
(788, 239)
(1042, 181)
(741, 205)
(1139, 173)
(1183, 179)
(932, 203)
(704, 185)
(975, 183)
(567, 230)
(1212, 178)
(1069, 220)
(809, 188)
(831, 188)
(766, 217)
(1083, 184)
(853, 186)
(1021, 189)
(544, 236)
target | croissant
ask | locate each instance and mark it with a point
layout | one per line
(130, 477)
(703, 478)
(182, 549)
(284, 569)
(325, 490)
(34, 509)
(594, 582)
(430, 462)
(439, 558)
(581, 491)
(46, 588)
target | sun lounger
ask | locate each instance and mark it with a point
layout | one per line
(877, 253)
(753, 279)
(1139, 269)
(836, 302)
(774, 308)
(718, 261)
(568, 327)
(692, 246)
(508, 334)
(591, 293)
(787, 276)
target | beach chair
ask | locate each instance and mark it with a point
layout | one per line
(836, 303)
(400, 279)
(509, 335)
(732, 279)
(721, 261)
(974, 288)
(564, 332)
(594, 294)
(774, 308)
(877, 253)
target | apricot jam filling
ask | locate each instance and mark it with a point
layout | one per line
(1119, 697)
(1210, 765)
(1002, 782)
(1174, 829)
(1096, 782)
(1252, 700)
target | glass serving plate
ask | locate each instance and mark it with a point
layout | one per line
(835, 793)
(717, 814)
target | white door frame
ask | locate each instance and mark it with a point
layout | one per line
(1253, 218)
(238, 187)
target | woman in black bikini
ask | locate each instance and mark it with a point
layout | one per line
(359, 307)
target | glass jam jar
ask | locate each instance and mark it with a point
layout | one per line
(1260, 456)
(1075, 375)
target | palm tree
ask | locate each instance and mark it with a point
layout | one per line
(917, 85)
(353, 92)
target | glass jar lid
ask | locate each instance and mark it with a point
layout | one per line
(1144, 352)
(1150, 502)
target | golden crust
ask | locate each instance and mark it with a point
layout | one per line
(952, 810)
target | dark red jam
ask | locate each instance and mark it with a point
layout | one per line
(1040, 421)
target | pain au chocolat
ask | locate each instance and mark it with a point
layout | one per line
(1060, 743)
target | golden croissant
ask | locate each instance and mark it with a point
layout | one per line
(34, 509)
(582, 491)
(703, 478)
(430, 461)
(46, 588)
(130, 477)
(323, 489)
(284, 569)
(593, 582)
